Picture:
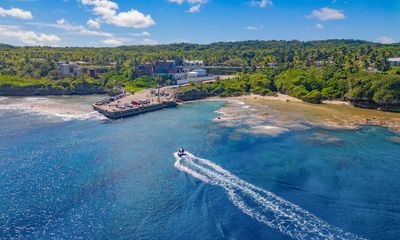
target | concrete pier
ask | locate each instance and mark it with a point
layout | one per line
(123, 113)
(134, 104)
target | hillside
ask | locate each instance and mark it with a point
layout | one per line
(353, 70)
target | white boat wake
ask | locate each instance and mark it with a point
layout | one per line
(259, 204)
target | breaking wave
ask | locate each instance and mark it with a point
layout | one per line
(56, 109)
(259, 204)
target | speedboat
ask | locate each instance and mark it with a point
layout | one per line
(181, 152)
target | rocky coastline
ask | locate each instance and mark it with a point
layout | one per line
(197, 94)
(370, 104)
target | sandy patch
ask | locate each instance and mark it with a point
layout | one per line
(335, 114)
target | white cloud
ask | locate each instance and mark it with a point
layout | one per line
(61, 21)
(83, 31)
(326, 13)
(108, 12)
(141, 34)
(385, 40)
(119, 41)
(93, 24)
(132, 18)
(176, 1)
(194, 8)
(195, 4)
(113, 42)
(319, 26)
(188, 1)
(28, 37)
(261, 3)
(16, 13)
(253, 28)
(77, 29)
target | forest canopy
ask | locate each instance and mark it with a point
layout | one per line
(312, 71)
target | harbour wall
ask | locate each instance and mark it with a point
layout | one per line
(133, 112)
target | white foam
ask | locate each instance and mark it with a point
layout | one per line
(50, 108)
(266, 127)
(259, 204)
(237, 102)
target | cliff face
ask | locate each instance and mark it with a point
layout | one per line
(393, 106)
(364, 103)
(78, 89)
(194, 94)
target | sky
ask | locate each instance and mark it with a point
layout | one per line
(99, 23)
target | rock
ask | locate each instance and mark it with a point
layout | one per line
(370, 104)
(193, 94)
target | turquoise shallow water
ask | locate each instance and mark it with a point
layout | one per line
(89, 179)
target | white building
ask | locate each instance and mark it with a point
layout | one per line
(64, 69)
(200, 72)
(193, 62)
(195, 80)
(394, 61)
(77, 72)
(192, 74)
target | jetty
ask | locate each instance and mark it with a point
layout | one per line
(128, 105)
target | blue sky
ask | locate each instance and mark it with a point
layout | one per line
(126, 22)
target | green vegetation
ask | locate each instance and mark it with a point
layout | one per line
(112, 79)
(310, 84)
(383, 89)
(313, 71)
(30, 86)
(257, 83)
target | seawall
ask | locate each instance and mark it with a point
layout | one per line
(123, 113)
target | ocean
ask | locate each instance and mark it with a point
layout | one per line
(67, 173)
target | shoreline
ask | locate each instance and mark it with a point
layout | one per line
(286, 98)
(261, 113)
(64, 108)
(286, 110)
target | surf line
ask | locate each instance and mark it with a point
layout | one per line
(264, 206)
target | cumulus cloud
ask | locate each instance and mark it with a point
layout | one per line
(93, 24)
(77, 29)
(319, 26)
(261, 3)
(385, 40)
(16, 13)
(326, 13)
(107, 10)
(132, 18)
(28, 37)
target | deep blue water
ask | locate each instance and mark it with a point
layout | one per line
(88, 179)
